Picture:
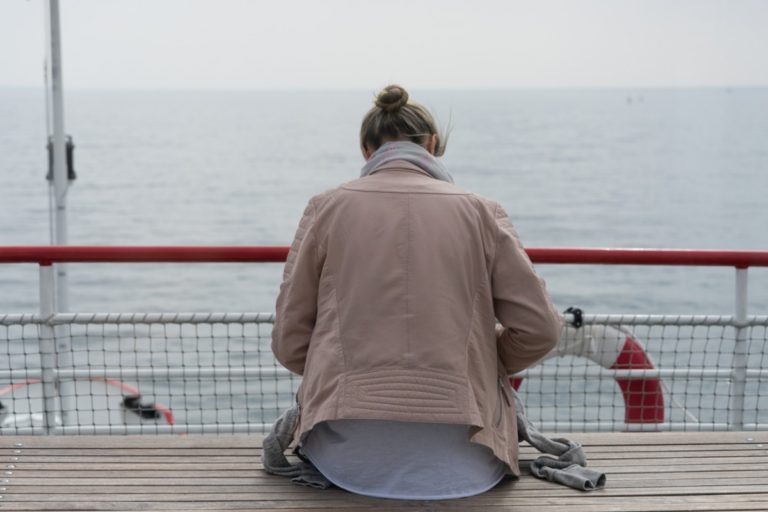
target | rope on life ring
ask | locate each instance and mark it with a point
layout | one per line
(614, 349)
(131, 400)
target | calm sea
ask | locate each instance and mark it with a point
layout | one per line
(684, 168)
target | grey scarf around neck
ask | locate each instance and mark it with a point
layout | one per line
(409, 152)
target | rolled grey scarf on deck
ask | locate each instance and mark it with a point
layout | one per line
(409, 152)
(569, 468)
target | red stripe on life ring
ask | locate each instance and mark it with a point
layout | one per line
(12, 387)
(643, 398)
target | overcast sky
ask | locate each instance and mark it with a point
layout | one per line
(309, 44)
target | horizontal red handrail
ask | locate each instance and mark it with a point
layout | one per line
(676, 257)
(48, 254)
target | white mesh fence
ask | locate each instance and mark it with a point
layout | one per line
(215, 373)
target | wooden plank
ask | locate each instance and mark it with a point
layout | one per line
(702, 475)
(638, 465)
(133, 441)
(528, 450)
(536, 489)
(651, 481)
(681, 461)
(235, 444)
(166, 459)
(134, 452)
(50, 469)
(247, 485)
(133, 466)
(655, 451)
(705, 459)
(384, 505)
(664, 454)
(615, 480)
(224, 474)
(136, 474)
(128, 480)
(254, 440)
(675, 468)
(525, 452)
(664, 438)
(342, 502)
(604, 496)
(313, 495)
(202, 487)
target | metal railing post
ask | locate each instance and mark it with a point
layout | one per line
(48, 347)
(739, 365)
(59, 173)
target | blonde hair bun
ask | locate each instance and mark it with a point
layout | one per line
(394, 118)
(392, 98)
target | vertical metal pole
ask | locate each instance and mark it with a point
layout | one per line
(739, 366)
(48, 348)
(60, 182)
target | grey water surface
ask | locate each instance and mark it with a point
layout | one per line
(676, 168)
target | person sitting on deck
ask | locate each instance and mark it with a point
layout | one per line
(388, 309)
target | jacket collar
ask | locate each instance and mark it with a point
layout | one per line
(401, 166)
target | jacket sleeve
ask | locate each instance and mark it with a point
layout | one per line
(530, 324)
(296, 307)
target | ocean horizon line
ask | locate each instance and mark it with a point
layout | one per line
(374, 89)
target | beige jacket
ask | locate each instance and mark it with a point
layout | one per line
(388, 307)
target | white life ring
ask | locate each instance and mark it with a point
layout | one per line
(616, 349)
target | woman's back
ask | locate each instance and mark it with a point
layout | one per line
(388, 308)
(408, 258)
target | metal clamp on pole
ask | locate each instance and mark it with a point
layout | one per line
(578, 316)
(70, 158)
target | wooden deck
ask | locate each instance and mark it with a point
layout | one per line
(646, 472)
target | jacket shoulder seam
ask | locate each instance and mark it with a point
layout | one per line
(351, 189)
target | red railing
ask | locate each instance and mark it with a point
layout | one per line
(47, 254)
